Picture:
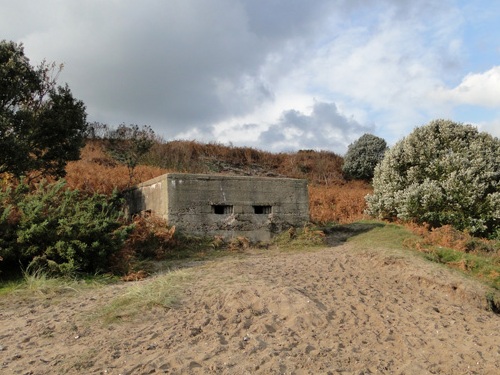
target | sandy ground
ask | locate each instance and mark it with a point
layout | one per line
(333, 311)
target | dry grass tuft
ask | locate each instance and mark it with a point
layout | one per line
(239, 243)
(135, 276)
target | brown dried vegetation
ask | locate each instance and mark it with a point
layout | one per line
(449, 237)
(343, 203)
(476, 256)
(319, 167)
(97, 172)
(151, 238)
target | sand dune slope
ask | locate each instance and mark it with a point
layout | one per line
(333, 311)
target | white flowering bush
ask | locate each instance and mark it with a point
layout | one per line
(362, 156)
(442, 173)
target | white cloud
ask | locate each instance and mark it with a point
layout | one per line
(492, 127)
(382, 70)
(481, 89)
(320, 127)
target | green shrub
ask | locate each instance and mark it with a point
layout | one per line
(362, 156)
(442, 173)
(59, 230)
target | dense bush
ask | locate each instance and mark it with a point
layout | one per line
(362, 156)
(59, 230)
(442, 173)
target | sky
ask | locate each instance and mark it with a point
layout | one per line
(276, 75)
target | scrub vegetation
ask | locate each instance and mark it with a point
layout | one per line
(443, 180)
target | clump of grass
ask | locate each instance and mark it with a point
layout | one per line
(161, 291)
(8, 287)
(239, 243)
(38, 281)
(493, 300)
(300, 238)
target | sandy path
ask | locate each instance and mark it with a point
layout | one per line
(334, 311)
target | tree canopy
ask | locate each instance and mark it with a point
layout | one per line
(42, 126)
(362, 156)
(442, 173)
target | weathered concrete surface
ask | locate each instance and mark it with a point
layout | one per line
(230, 206)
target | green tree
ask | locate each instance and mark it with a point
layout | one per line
(128, 143)
(442, 173)
(42, 126)
(362, 156)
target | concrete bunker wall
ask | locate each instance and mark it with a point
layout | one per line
(229, 206)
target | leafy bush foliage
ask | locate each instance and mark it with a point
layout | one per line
(362, 156)
(442, 173)
(58, 229)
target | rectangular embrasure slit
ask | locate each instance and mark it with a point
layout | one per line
(222, 209)
(262, 210)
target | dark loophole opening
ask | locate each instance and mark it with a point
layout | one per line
(222, 209)
(262, 210)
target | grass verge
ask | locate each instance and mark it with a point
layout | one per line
(367, 234)
(485, 267)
